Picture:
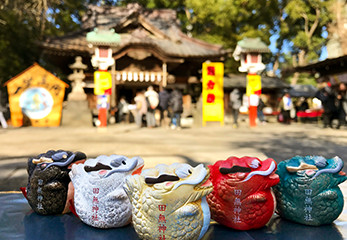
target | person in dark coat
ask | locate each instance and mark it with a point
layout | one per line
(342, 105)
(176, 106)
(327, 98)
(164, 97)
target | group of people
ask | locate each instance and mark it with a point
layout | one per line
(168, 102)
(334, 102)
(235, 102)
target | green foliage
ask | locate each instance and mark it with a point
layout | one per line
(306, 78)
(17, 46)
(303, 25)
(228, 21)
(25, 22)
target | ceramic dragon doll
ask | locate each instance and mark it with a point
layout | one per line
(308, 192)
(169, 202)
(48, 189)
(100, 200)
(242, 197)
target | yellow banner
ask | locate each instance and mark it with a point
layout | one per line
(212, 92)
(253, 85)
(102, 82)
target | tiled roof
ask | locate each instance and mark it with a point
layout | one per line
(156, 28)
(252, 45)
(240, 81)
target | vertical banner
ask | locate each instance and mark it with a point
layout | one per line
(212, 92)
(253, 84)
(102, 83)
(103, 89)
(253, 92)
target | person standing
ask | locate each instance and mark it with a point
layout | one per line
(164, 97)
(260, 113)
(286, 107)
(123, 110)
(152, 99)
(327, 97)
(176, 105)
(235, 103)
(141, 107)
(342, 105)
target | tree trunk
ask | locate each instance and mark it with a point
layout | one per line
(302, 57)
(295, 78)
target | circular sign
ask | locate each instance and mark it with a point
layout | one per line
(36, 102)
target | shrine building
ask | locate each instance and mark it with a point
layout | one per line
(151, 50)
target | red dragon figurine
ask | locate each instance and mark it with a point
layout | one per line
(242, 197)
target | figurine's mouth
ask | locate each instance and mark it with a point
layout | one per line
(205, 183)
(242, 174)
(274, 176)
(162, 178)
(234, 169)
(132, 167)
(98, 167)
(138, 167)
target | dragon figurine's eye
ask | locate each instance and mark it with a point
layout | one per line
(255, 163)
(321, 162)
(183, 171)
(123, 162)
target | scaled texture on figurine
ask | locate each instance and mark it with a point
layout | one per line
(169, 201)
(48, 181)
(308, 192)
(242, 197)
(100, 200)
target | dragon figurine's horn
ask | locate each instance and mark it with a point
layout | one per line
(303, 166)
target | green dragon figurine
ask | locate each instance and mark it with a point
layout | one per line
(308, 191)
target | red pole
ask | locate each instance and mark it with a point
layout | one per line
(252, 116)
(103, 117)
(253, 91)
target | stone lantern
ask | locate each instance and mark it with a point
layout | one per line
(102, 41)
(248, 51)
(76, 112)
(77, 92)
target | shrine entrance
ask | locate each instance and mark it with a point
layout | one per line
(128, 90)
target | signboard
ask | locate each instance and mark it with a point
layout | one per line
(36, 96)
(36, 102)
(102, 83)
(103, 101)
(212, 92)
(253, 84)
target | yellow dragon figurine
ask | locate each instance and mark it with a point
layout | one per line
(169, 201)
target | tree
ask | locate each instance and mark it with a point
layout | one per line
(227, 22)
(23, 23)
(17, 46)
(336, 27)
(305, 22)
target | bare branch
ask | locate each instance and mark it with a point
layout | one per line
(304, 16)
(315, 23)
